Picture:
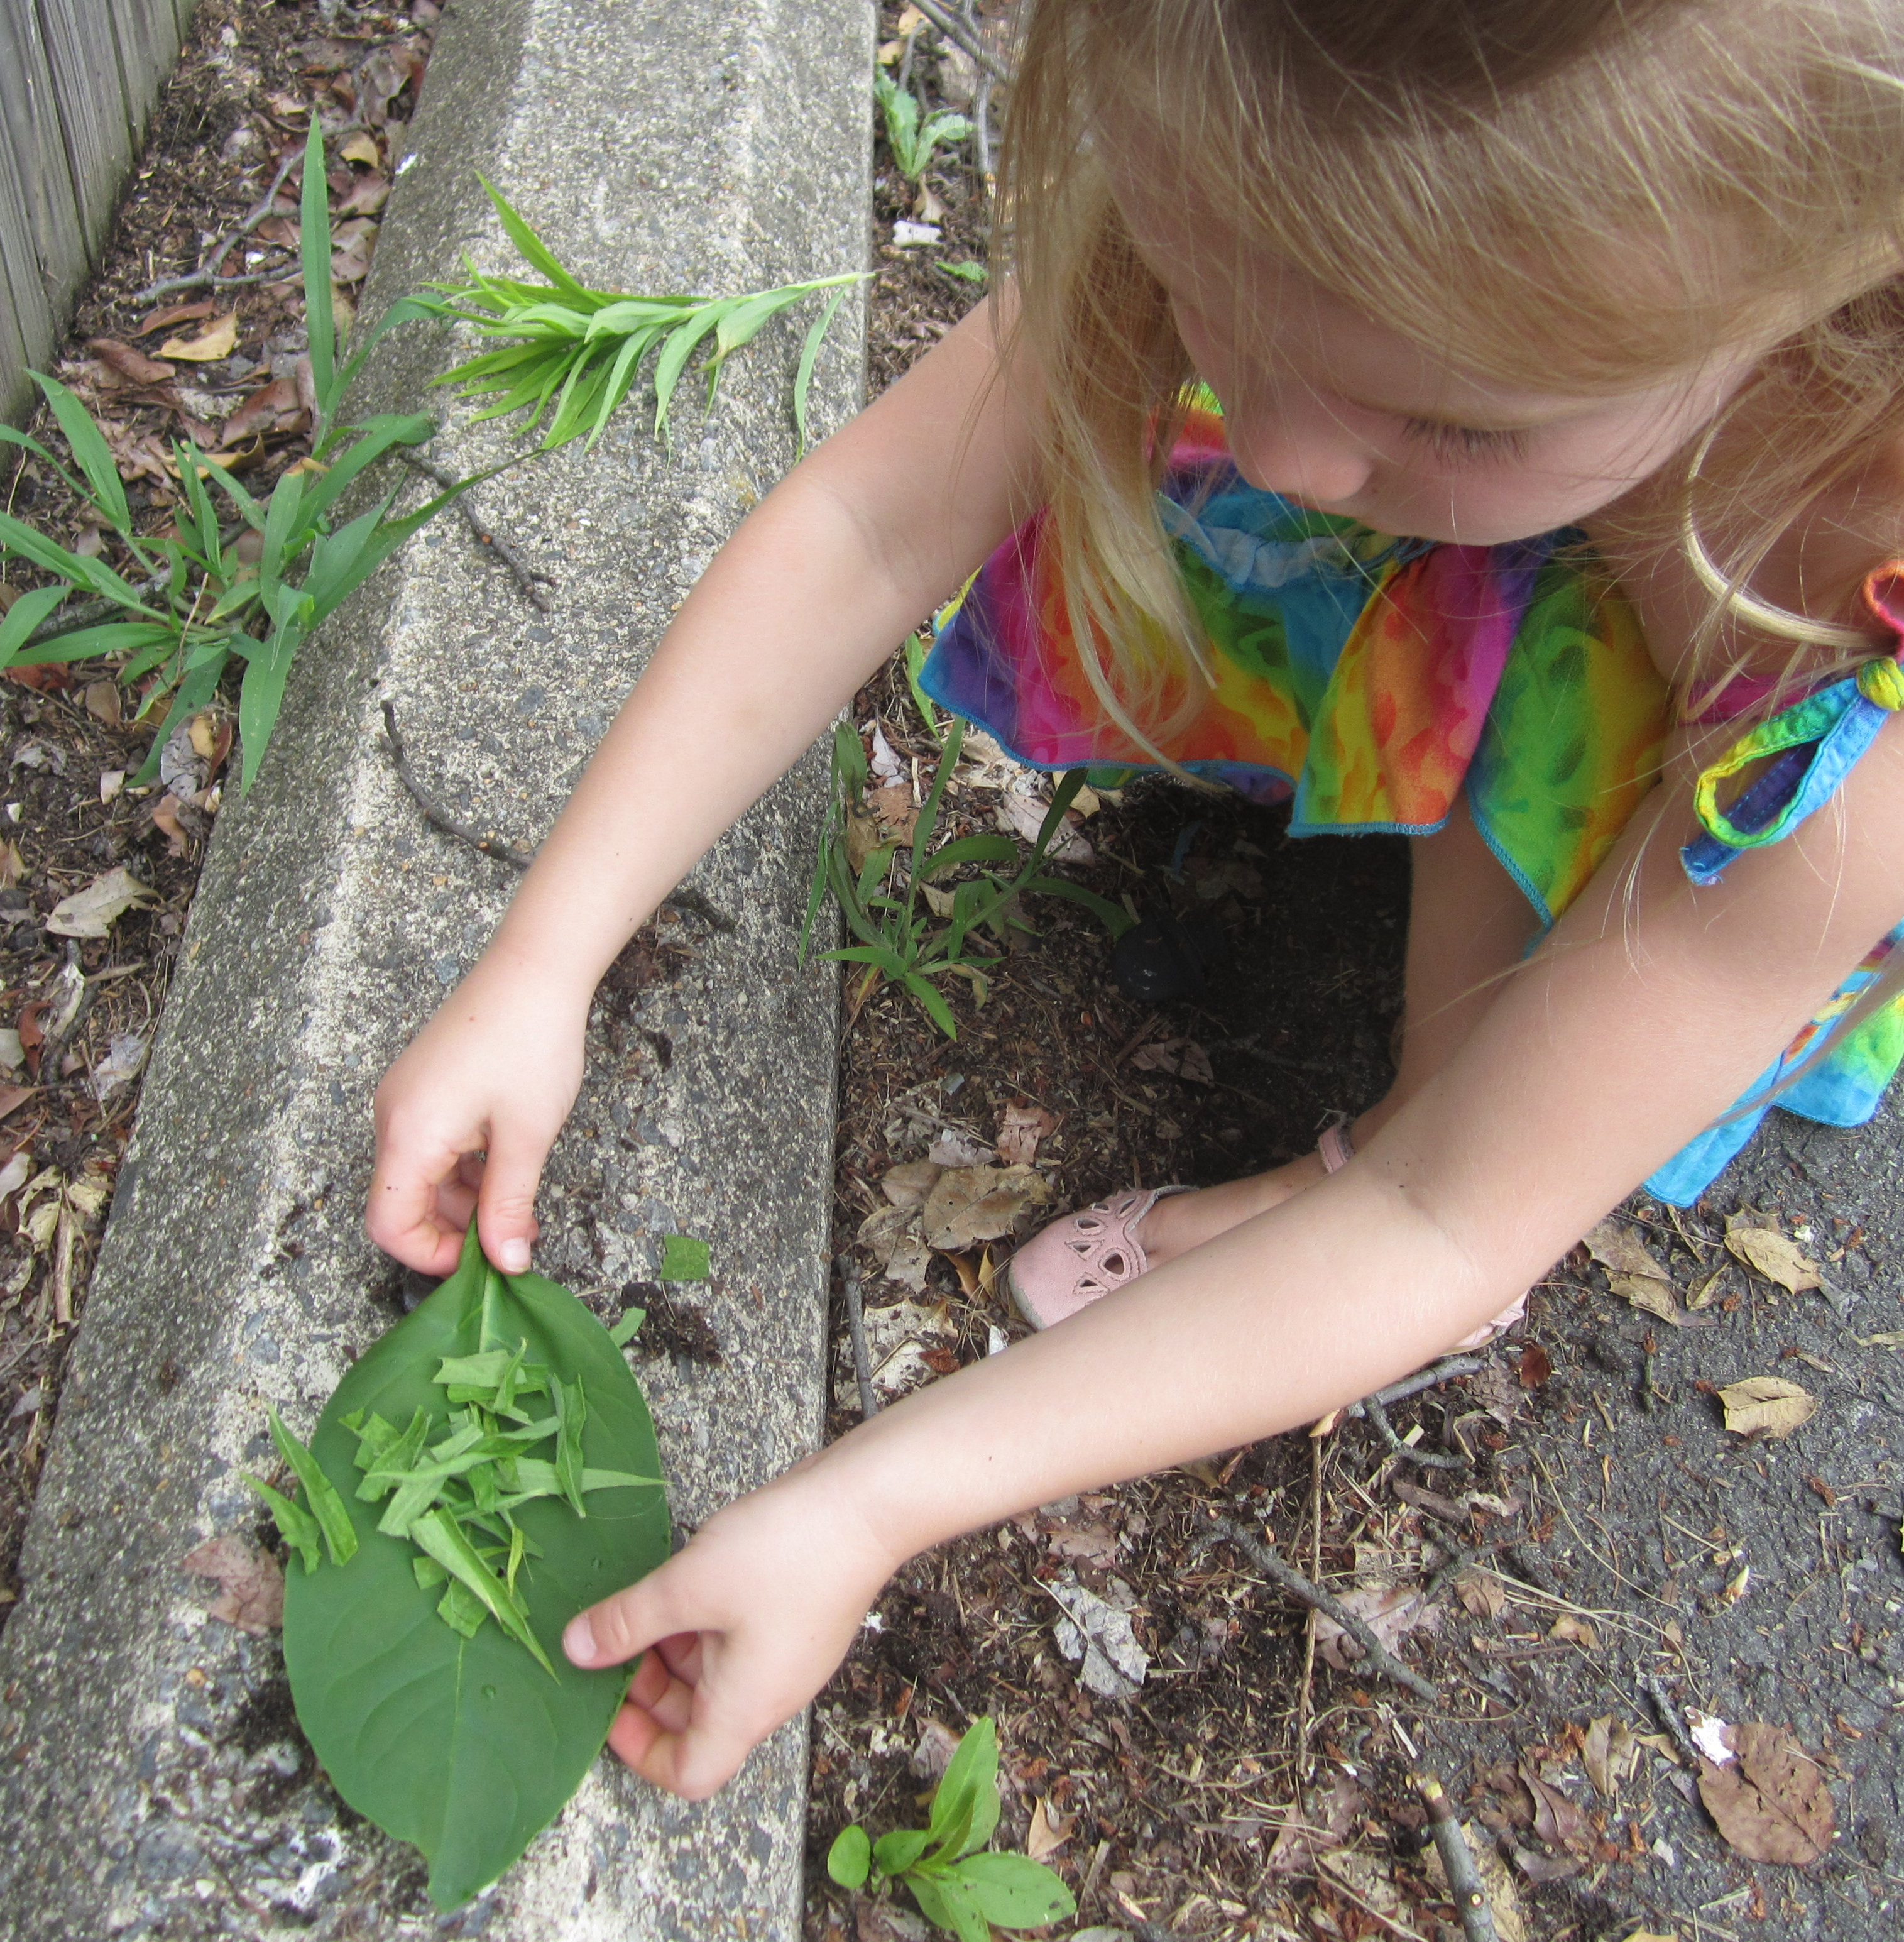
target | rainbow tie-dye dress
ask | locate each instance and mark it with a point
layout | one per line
(1370, 682)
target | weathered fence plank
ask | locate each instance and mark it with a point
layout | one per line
(92, 108)
(29, 125)
(79, 79)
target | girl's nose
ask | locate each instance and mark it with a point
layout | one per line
(1305, 455)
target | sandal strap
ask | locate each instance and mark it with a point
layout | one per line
(1335, 1147)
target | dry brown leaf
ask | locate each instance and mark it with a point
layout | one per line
(361, 147)
(1019, 1128)
(891, 1237)
(132, 365)
(165, 817)
(102, 699)
(1366, 1877)
(1621, 1251)
(1646, 1292)
(1771, 1803)
(353, 242)
(1608, 1754)
(1089, 1543)
(1576, 1631)
(1048, 1833)
(1556, 1820)
(93, 912)
(13, 1097)
(172, 314)
(276, 407)
(1391, 1612)
(898, 814)
(1705, 1287)
(1481, 1595)
(1775, 1256)
(1768, 1405)
(251, 1584)
(907, 1186)
(1182, 1056)
(219, 339)
(970, 1204)
(862, 835)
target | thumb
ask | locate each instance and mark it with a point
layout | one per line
(627, 1622)
(506, 1203)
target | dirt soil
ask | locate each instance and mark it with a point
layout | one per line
(83, 1007)
(1599, 1563)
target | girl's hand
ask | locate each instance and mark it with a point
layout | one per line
(465, 1119)
(740, 1630)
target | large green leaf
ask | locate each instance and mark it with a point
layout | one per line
(466, 1747)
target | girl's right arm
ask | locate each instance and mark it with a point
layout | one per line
(841, 560)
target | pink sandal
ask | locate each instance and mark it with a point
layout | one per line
(1337, 1153)
(1079, 1260)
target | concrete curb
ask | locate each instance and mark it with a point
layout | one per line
(149, 1784)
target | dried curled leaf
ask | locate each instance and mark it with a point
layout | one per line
(1771, 1803)
(1775, 1256)
(251, 1583)
(1768, 1404)
(970, 1204)
(93, 912)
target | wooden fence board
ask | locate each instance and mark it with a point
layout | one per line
(28, 328)
(29, 124)
(79, 45)
(79, 79)
(148, 49)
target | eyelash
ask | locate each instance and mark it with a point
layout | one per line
(1456, 443)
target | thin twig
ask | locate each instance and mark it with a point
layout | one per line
(689, 902)
(1464, 1883)
(1429, 1460)
(981, 105)
(205, 276)
(863, 1362)
(949, 25)
(1668, 1715)
(439, 818)
(1379, 1658)
(1431, 1377)
(527, 578)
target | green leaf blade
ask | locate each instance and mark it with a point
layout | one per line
(398, 1707)
(849, 1859)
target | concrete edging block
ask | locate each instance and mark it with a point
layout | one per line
(148, 1782)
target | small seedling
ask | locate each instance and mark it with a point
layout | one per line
(897, 938)
(959, 1886)
(683, 1258)
(576, 353)
(911, 136)
(966, 272)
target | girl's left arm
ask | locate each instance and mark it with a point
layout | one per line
(1651, 1008)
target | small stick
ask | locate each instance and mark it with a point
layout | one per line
(1668, 1715)
(1371, 1408)
(1465, 1883)
(1379, 1658)
(206, 275)
(87, 614)
(863, 1362)
(949, 26)
(689, 902)
(527, 578)
(1431, 1377)
(439, 818)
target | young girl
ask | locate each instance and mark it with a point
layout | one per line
(1594, 310)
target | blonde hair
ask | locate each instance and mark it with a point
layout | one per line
(1579, 195)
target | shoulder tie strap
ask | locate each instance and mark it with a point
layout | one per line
(1817, 742)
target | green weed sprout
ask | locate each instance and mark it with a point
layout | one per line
(959, 1886)
(195, 604)
(912, 137)
(575, 353)
(898, 939)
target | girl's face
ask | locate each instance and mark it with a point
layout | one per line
(1330, 407)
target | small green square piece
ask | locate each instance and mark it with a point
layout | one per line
(683, 1258)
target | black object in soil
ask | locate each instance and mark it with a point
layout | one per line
(1163, 956)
